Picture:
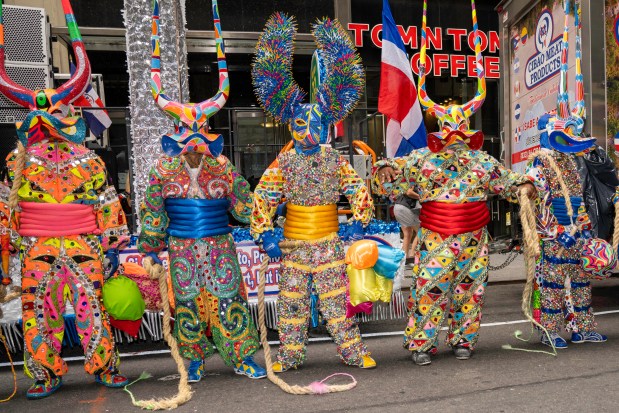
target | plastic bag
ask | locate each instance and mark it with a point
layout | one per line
(599, 180)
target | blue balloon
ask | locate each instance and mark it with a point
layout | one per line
(389, 260)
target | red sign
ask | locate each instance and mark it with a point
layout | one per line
(523, 155)
(452, 64)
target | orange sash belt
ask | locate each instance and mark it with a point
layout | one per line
(310, 222)
(56, 220)
(452, 219)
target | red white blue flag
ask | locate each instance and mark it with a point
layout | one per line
(97, 120)
(397, 99)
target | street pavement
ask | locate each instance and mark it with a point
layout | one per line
(583, 377)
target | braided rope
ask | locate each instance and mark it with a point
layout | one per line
(184, 390)
(6, 294)
(296, 389)
(8, 353)
(20, 163)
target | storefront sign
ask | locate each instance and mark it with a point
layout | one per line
(439, 38)
(535, 63)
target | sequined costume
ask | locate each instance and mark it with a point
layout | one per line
(186, 209)
(66, 218)
(453, 179)
(313, 180)
(311, 177)
(562, 291)
(449, 263)
(55, 268)
(206, 277)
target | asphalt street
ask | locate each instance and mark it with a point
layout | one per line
(583, 377)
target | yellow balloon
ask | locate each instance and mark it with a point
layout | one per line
(362, 285)
(385, 288)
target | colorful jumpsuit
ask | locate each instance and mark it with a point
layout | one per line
(60, 268)
(308, 181)
(562, 292)
(448, 261)
(206, 277)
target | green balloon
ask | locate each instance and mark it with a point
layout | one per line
(122, 299)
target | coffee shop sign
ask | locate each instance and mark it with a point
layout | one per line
(439, 38)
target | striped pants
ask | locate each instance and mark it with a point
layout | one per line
(322, 266)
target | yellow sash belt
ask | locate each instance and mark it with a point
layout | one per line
(310, 222)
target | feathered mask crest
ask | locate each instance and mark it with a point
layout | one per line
(275, 86)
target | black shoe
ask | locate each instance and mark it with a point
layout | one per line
(421, 358)
(462, 353)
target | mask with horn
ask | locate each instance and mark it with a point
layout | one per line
(191, 131)
(453, 120)
(563, 129)
(46, 119)
(282, 97)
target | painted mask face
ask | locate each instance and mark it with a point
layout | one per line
(453, 120)
(306, 128)
(191, 130)
(563, 128)
(455, 128)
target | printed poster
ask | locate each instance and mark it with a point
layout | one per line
(535, 63)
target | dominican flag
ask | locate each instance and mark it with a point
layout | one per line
(397, 99)
(98, 120)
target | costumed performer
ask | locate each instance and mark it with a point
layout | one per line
(191, 189)
(311, 177)
(453, 178)
(562, 289)
(66, 218)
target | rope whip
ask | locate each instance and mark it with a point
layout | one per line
(184, 389)
(6, 294)
(315, 387)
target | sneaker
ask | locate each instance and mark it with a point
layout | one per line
(421, 358)
(367, 362)
(111, 378)
(557, 340)
(462, 352)
(590, 336)
(250, 368)
(43, 388)
(279, 368)
(196, 371)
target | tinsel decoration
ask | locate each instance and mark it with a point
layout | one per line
(274, 85)
(148, 123)
(345, 80)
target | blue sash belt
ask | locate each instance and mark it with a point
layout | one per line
(197, 218)
(559, 209)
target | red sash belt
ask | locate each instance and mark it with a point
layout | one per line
(56, 220)
(452, 219)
